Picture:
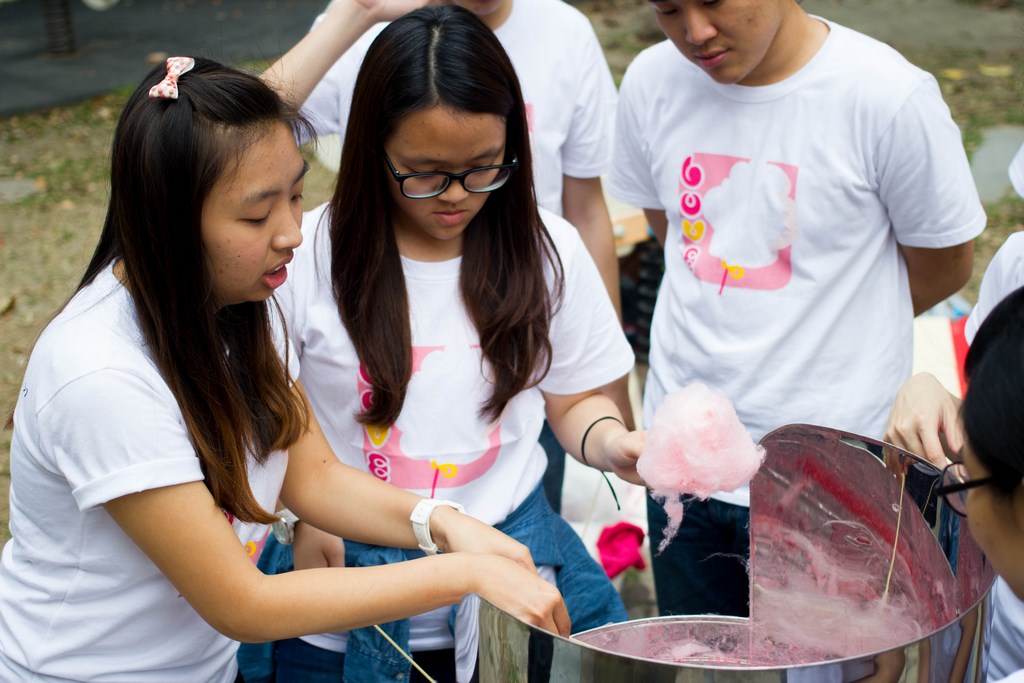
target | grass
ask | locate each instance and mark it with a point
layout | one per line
(983, 91)
(47, 238)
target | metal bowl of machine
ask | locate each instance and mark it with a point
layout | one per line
(858, 572)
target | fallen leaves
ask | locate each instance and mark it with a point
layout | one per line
(995, 70)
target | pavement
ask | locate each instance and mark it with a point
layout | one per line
(917, 24)
(991, 161)
(115, 48)
(111, 47)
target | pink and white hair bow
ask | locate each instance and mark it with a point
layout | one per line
(168, 88)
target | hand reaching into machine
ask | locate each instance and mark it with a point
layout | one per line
(924, 420)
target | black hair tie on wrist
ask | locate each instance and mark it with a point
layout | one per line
(583, 455)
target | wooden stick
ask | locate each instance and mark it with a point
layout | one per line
(404, 654)
(895, 542)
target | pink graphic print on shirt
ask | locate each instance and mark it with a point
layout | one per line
(385, 459)
(738, 220)
(252, 548)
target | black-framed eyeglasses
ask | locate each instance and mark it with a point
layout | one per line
(954, 484)
(477, 180)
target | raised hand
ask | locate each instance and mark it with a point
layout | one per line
(389, 10)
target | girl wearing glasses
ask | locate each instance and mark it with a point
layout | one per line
(439, 315)
(570, 97)
(990, 490)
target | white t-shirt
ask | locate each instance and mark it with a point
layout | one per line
(440, 447)
(1005, 653)
(784, 288)
(95, 421)
(1004, 274)
(567, 87)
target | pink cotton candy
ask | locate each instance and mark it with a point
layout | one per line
(696, 446)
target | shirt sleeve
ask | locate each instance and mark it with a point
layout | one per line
(631, 180)
(309, 271)
(1005, 273)
(589, 348)
(292, 317)
(587, 149)
(283, 341)
(112, 434)
(328, 105)
(924, 178)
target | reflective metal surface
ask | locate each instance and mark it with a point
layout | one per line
(846, 583)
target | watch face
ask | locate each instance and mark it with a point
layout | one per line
(283, 532)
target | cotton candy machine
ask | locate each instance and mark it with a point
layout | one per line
(855, 572)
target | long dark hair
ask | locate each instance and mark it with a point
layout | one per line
(221, 363)
(440, 56)
(993, 407)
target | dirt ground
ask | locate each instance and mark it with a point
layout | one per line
(58, 157)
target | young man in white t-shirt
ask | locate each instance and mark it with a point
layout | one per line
(812, 195)
(570, 98)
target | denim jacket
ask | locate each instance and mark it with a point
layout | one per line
(589, 596)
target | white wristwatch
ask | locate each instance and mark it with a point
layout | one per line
(284, 527)
(420, 519)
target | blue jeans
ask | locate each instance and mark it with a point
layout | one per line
(704, 570)
(554, 475)
(298, 661)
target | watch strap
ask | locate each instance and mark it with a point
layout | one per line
(420, 519)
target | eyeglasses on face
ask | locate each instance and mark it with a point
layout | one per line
(954, 484)
(477, 180)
